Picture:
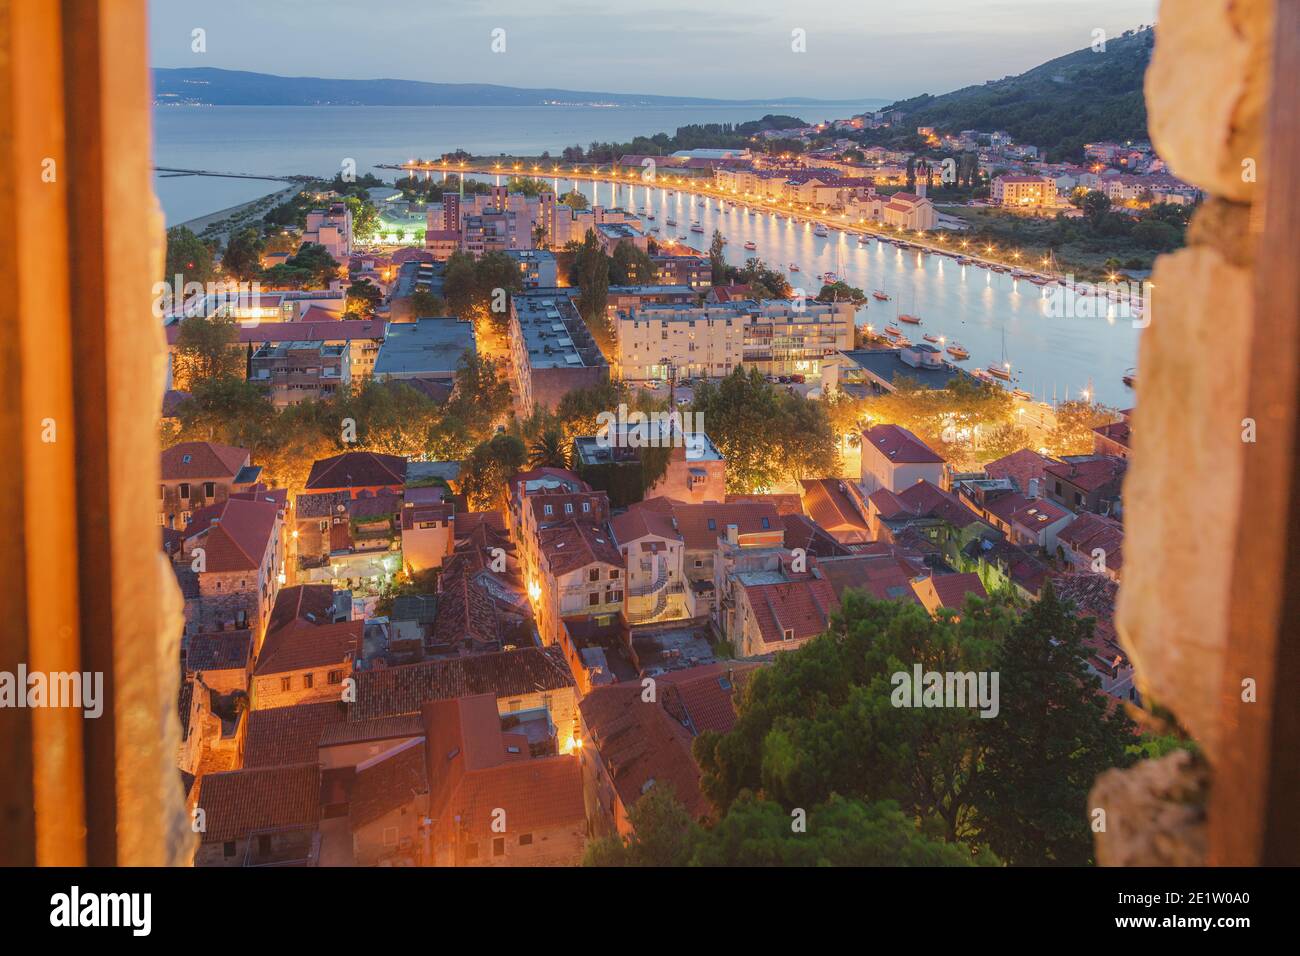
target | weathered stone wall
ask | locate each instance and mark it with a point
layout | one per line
(1205, 91)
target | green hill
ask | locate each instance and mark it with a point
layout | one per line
(1075, 99)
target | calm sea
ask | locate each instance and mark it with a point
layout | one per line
(996, 318)
(316, 140)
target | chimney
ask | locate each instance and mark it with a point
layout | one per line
(733, 534)
(1033, 488)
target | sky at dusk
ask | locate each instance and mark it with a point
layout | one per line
(720, 48)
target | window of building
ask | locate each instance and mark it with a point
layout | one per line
(209, 489)
(228, 849)
(307, 680)
(547, 509)
(335, 677)
(184, 491)
(286, 683)
(525, 839)
(788, 634)
(568, 507)
(498, 846)
(613, 574)
(593, 574)
(593, 599)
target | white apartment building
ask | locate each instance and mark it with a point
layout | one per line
(778, 337)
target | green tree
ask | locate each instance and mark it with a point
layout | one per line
(548, 450)
(207, 349)
(425, 303)
(663, 834)
(630, 265)
(740, 415)
(575, 199)
(1073, 432)
(363, 298)
(591, 275)
(1052, 737)
(484, 474)
(243, 256)
(188, 257)
(718, 260)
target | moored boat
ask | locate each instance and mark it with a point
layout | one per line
(958, 351)
(930, 338)
(881, 295)
(820, 231)
(750, 244)
(794, 267)
(910, 318)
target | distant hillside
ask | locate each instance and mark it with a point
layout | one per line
(212, 87)
(1077, 98)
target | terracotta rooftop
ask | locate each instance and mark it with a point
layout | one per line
(234, 534)
(238, 802)
(1090, 474)
(284, 736)
(476, 770)
(313, 603)
(899, 445)
(575, 544)
(785, 504)
(202, 459)
(407, 688)
(951, 589)
(388, 781)
(704, 698)
(219, 651)
(803, 606)
(642, 745)
(1090, 531)
(302, 645)
(886, 577)
(701, 525)
(1020, 466)
(829, 504)
(356, 469)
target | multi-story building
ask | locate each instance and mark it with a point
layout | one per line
(893, 458)
(236, 551)
(331, 228)
(551, 351)
(428, 348)
(777, 337)
(1023, 191)
(694, 272)
(537, 267)
(301, 371)
(196, 474)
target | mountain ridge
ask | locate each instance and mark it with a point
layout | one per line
(212, 86)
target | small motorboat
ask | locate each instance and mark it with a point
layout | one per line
(697, 228)
(750, 244)
(958, 351)
(999, 371)
(893, 330)
(910, 318)
(670, 221)
(794, 267)
(930, 338)
(821, 231)
(651, 217)
(881, 295)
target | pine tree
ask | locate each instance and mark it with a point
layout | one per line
(1050, 740)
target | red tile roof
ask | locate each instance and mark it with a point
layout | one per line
(1020, 466)
(785, 504)
(356, 469)
(1091, 474)
(576, 544)
(472, 774)
(234, 534)
(828, 503)
(388, 781)
(638, 523)
(898, 444)
(1090, 531)
(303, 645)
(704, 697)
(886, 576)
(284, 736)
(202, 459)
(238, 802)
(641, 745)
(313, 603)
(951, 589)
(405, 689)
(693, 521)
(804, 606)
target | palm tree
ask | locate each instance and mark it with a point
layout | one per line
(548, 451)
